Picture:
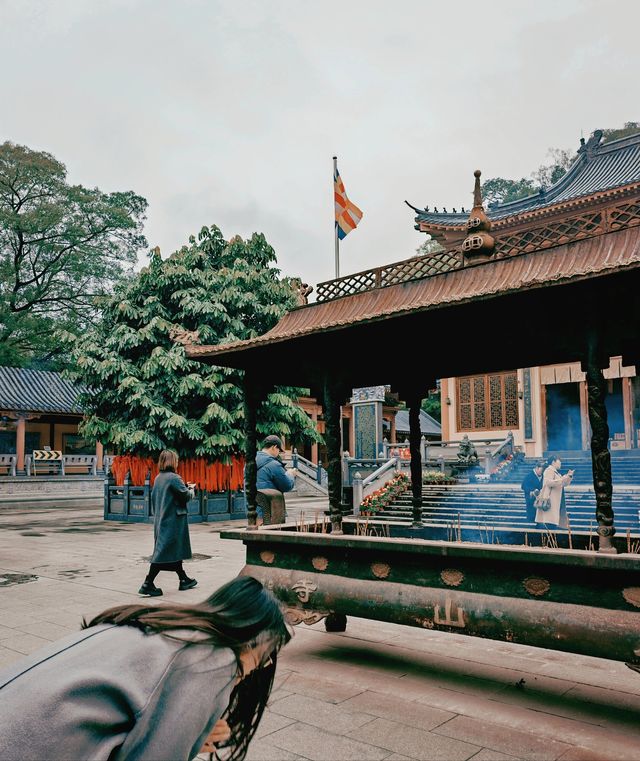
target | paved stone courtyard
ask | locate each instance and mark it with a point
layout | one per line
(379, 691)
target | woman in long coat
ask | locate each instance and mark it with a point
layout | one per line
(169, 498)
(553, 487)
(148, 682)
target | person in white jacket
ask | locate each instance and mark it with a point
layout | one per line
(553, 483)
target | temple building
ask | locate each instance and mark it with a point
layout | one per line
(545, 407)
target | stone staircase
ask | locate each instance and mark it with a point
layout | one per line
(502, 506)
(625, 468)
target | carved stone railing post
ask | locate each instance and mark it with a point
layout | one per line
(488, 461)
(358, 490)
(600, 456)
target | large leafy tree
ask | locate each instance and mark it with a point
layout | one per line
(62, 247)
(147, 394)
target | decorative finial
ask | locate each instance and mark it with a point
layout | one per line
(444, 210)
(455, 210)
(435, 209)
(477, 195)
(463, 211)
(426, 208)
(478, 245)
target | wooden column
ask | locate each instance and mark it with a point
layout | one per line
(21, 438)
(315, 457)
(332, 398)
(627, 409)
(600, 456)
(99, 455)
(412, 398)
(584, 413)
(251, 400)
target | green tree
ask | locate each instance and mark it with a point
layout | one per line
(147, 394)
(500, 190)
(432, 406)
(629, 128)
(429, 246)
(62, 247)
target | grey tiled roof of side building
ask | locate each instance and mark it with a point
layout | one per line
(601, 167)
(38, 391)
(428, 426)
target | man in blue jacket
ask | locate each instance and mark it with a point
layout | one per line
(531, 486)
(271, 473)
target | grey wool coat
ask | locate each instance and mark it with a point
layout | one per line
(114, 693)
(169, 498)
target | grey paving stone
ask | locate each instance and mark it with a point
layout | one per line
(394, 708)
(504, 739)
(584, 754)
(323, 689)
(487, 754)
(264, 751)
(320, 714)
(414, 742)
(271, 722)
(24, 643)
(15, 620)
(47, 630)
(317, 745)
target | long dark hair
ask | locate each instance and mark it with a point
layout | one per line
(240, 615)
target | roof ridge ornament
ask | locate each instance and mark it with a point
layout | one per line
(592, 144)
(478, 245)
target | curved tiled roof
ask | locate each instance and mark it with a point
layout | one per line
(578, 260)
(598, 168)
(428, 426)
(38, 391)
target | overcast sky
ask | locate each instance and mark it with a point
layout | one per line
(229, 112)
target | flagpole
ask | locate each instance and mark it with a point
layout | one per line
(335, 226)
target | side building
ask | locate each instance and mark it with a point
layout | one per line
(547, 407)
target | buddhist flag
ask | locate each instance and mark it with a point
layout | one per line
(348, 215)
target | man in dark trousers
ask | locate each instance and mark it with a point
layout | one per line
(531, 486)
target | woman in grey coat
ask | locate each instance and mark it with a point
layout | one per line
(143, 683)
(169, 498)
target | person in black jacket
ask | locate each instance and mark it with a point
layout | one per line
(169, 498)
(531, 485)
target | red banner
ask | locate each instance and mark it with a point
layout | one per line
(210, 476)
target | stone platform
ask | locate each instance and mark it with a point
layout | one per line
(51, 489)
(380, 691)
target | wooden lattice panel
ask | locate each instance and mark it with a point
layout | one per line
(625, 215)
(420, 267)
(488, 402)
(574, 228)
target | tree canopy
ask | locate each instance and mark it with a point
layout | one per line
(147, 394)
(62, 247)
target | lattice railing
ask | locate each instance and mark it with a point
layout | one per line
(401, 272)
(423, 266)
(584, 225)
(555, 234)
(625, 215)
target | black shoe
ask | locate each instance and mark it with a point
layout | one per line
(187, 584)
(149, 589)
